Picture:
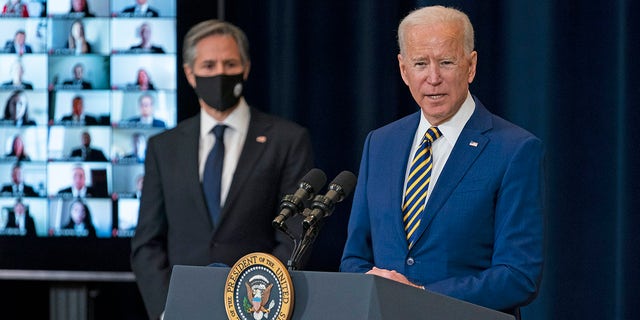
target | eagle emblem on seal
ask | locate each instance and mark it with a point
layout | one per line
(258, 291)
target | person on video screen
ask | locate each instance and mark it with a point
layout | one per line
(78, 81)
(18, 44)
(80, 9)
(17, 82)
(79, 188)
(16, 110)
(139, 148)
(17, 187)
(145, 46)
(143, 81)
(86, 152)
(140, 9)
(76, 42)
(19, 219)
(78, 116)
(145, 117)
(15, 8)
(80, 220)
(18, 152)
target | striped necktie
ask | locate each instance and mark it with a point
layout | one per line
(212, 175)
(417, 185)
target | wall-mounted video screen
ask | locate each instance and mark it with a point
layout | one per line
(84, 84)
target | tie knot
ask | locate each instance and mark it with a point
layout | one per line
(432, 134)
(218, 131)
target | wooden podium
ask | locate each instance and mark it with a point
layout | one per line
(197, 293)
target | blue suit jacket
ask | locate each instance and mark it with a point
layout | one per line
(481, 239)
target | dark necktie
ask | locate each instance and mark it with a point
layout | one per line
(417, 185)
(212, 175)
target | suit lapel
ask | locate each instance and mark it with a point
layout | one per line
(468, 147)
(189, 165)
(254, 146)
(398, 149)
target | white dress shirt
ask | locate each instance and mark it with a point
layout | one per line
(234, 136)
(441, 148)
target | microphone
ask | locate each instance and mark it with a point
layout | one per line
(323, 206)
(293, 203)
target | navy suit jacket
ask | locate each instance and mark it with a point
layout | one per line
(174, 226)
(11, 48)
(88, 120)
(30, 225)
(27, 191)
(93, 154)
(481, 239)
(131, 11)
(157, 123)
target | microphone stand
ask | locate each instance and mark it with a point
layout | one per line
(302, 245)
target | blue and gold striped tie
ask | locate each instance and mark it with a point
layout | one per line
(417, 185)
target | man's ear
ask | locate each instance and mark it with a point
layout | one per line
(188, 72)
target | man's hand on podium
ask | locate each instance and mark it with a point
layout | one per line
(393, 275)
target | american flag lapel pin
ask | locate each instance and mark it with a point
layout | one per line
(473, 143)
(261, 139)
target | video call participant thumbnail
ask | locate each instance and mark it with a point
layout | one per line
(86, 152)
(78, 116)
(15, 8)
(145, 117)
(19, 221)
(17, 82)
(80, 9)
(18, 44)
(17, 187)
(16, 110)
(79, 187)
(80, 221)
(141, 8)
(145, 45)
(18, 151)
(78, 81)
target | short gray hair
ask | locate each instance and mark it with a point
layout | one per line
(435, 15)
(213, 27)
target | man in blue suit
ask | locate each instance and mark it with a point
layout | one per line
(146, 117)
(477, 234)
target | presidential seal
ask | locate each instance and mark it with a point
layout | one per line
(258, 287)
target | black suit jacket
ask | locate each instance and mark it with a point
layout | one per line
(276, 154)
(92, 154)
(153, 49)
(27, 191)
(72, 84)
(9, 47)
(91, 192)
(9, 85)
(130, 11)
(157, 123)
(30, 225)
(88, 120)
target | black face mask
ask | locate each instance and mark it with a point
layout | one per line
(220, 92)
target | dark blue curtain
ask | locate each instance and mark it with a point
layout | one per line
(565, 70)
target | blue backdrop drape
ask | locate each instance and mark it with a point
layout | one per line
(565, 70)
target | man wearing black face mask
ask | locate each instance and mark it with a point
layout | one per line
(187, 219)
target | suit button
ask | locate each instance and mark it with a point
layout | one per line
(410, 261)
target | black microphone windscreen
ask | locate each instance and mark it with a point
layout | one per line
(316, 178)
(346, 180)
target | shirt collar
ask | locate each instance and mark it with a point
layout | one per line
(451, 128)
(238, 119)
